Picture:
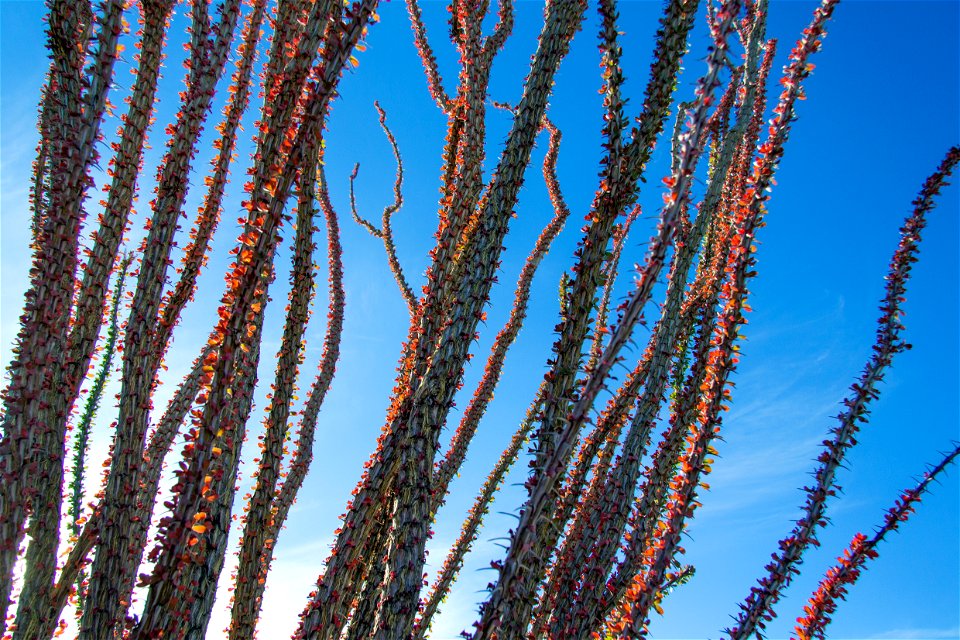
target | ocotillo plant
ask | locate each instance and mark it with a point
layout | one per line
(630, 404)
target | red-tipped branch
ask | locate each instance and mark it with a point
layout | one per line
(841, 576)
(269, 505)
(607, 516)
(701, 405)
(434, 81)
(504, 27)
(413, 441)
(146, 338)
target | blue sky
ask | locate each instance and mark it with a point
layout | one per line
(882, 110)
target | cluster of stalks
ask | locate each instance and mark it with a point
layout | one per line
(610, 488)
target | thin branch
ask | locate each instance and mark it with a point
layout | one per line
(374, 231)
(385, 232)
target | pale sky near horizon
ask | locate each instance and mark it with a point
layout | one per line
(883, 107)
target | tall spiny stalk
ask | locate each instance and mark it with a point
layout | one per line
(34, 417)
(605, 516)
(260, 535)
(199, 524)
(508, 610)
(406, 449)
(456, 452)
(115, 564)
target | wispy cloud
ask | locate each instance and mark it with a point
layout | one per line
(919, 634)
